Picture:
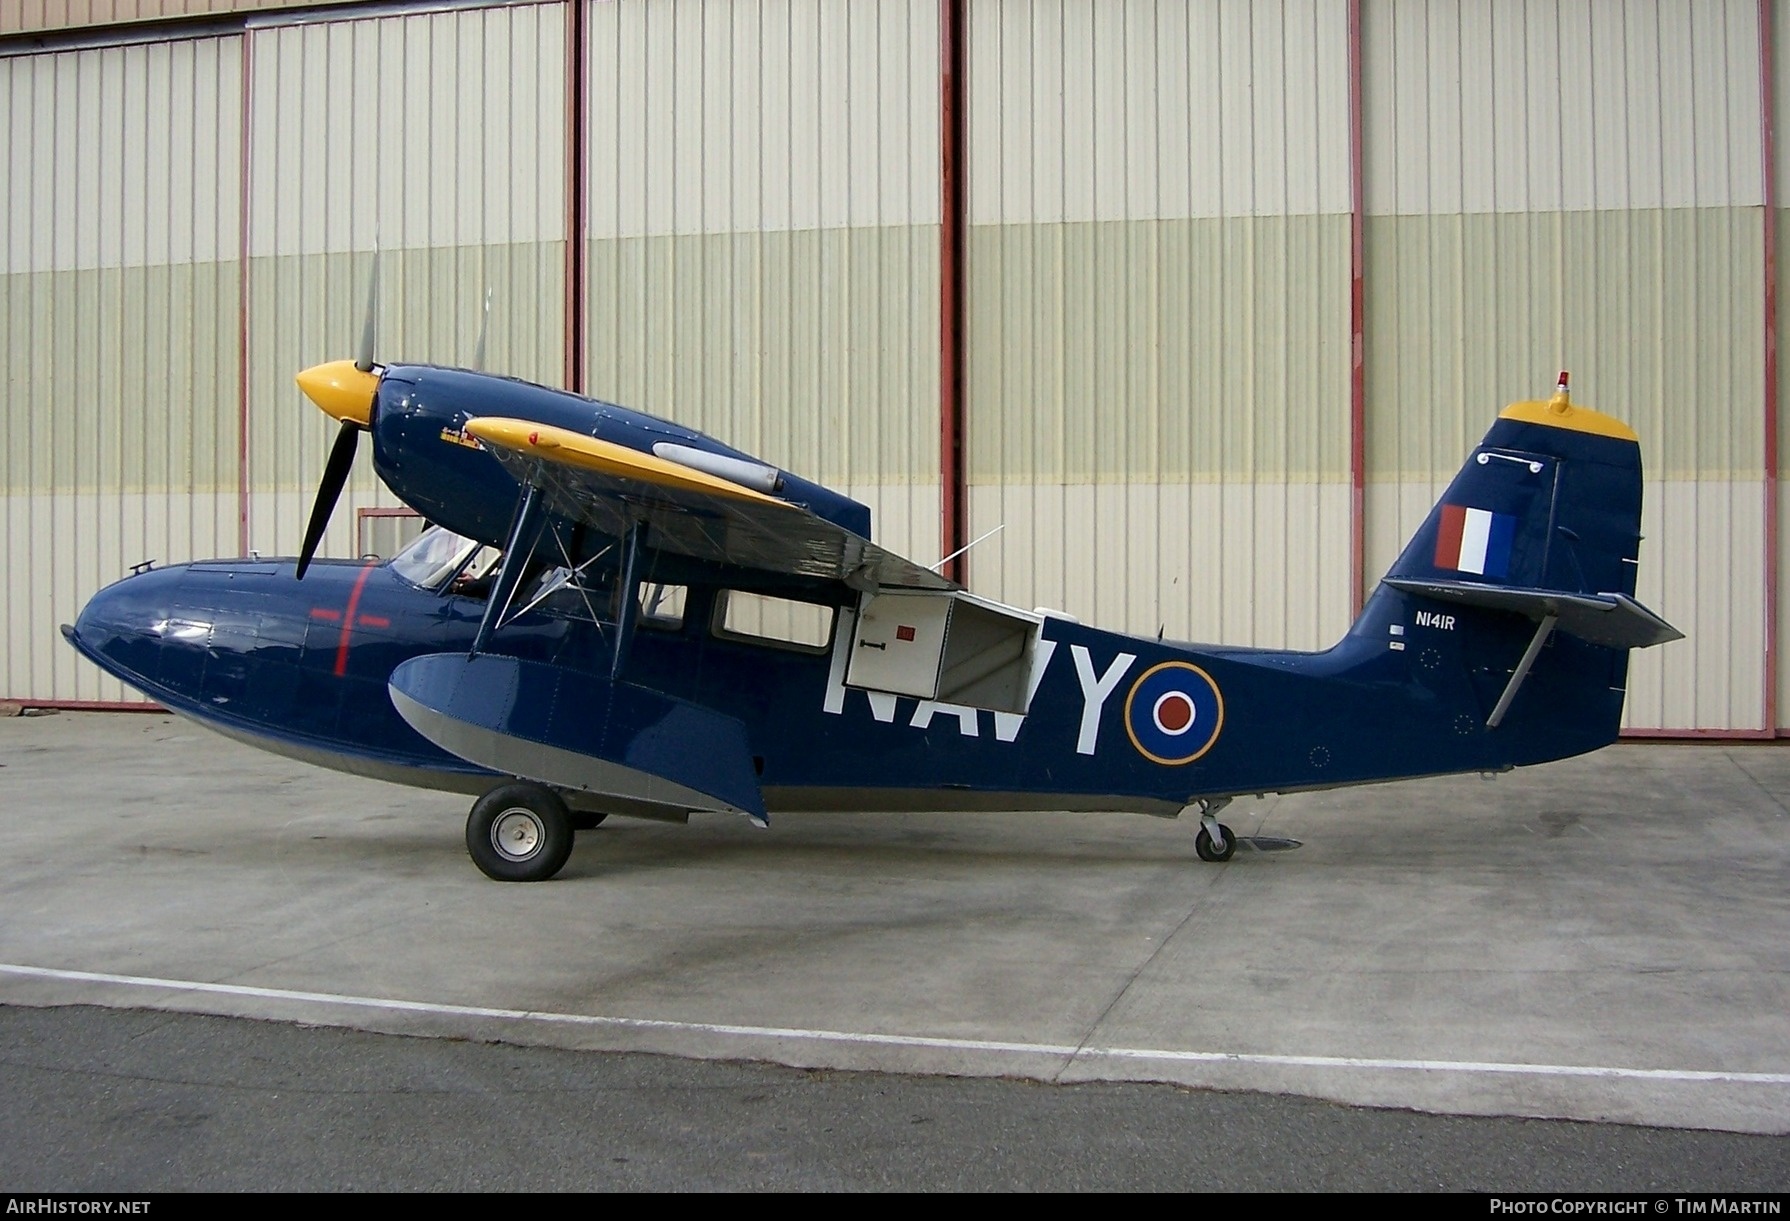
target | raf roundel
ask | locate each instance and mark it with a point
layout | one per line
(1174, 713)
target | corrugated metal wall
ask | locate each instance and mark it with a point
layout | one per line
(118, 344)
(764, 235)
(1562, 185)
(442, 135)
(1157, 277)
(1780, 184)
(1158, 302)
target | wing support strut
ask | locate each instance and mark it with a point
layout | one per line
(630, 605)
(524, 531)
(1542, 632)
(572, 576)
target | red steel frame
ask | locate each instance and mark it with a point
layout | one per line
(953, 491)
(1769, 157)
(1357, 328)
(360, 519)
(576, 195)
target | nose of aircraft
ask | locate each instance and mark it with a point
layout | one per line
(123, 624)
(342, 389)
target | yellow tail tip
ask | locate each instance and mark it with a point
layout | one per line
(1560, 411)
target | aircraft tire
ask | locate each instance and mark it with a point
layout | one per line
(519, 832)
(1202, 844)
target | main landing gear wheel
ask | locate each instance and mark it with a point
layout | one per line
(519, 832)
(1202, 844)
(1214, 842)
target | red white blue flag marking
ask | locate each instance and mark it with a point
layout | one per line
(1475, 540)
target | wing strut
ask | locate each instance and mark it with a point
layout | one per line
(524, 532)
(571, 575)
(630, 605)
(1522, 671)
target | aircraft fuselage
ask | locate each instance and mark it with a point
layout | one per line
(1115, 722)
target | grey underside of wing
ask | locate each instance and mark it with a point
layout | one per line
(777, 538)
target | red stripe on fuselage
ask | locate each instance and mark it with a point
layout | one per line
(348, 621)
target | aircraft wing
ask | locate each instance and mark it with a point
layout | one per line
(612, 487)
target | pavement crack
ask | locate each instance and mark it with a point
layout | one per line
(1769, 795)
(1124, 989)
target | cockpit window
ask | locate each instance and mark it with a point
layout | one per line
(438, 554)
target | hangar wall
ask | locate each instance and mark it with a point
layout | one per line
(1161, 304)
(439, 136)
(1561, 185)
(119, 283)
(764, 237)
(1158, 306)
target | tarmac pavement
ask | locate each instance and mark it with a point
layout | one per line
(1602, 939)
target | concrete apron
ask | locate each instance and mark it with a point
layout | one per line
(1602, 939)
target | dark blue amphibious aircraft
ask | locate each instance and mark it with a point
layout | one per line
(611, 614)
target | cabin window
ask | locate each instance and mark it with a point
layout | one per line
(777, 621)
(662, 605)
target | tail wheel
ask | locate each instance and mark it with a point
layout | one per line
(1202, 844)
(519, 832)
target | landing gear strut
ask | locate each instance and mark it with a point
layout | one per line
(1214, 841)
(519, 832)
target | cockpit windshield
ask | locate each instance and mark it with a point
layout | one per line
(437, 554)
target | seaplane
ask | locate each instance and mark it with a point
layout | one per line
(611, 614)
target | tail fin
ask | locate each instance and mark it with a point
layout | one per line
(1539, 531)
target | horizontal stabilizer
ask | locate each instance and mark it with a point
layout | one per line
(1614, 620)
(580, 731)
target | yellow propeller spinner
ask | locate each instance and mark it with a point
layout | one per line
(342, 389)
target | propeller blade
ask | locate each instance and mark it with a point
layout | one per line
(364, 362)
(329, 489)
(478, 352)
